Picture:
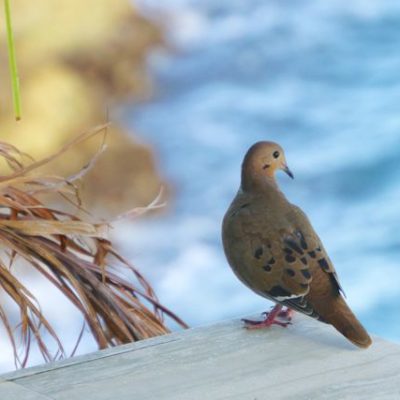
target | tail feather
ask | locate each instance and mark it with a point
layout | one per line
(348, 325)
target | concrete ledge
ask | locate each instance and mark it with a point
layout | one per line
(308, 360)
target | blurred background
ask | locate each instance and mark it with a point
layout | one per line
(189, 86)
(320, 79)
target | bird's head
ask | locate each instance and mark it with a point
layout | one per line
(262, 160)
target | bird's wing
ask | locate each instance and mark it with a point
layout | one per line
(325, 282)
(276, 266)
(284, 264)
(313, 246)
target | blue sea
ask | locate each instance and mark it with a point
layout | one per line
(320, 78)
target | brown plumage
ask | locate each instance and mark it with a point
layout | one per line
(273, 249)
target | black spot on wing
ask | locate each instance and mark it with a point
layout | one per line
(312, 254)
(306, 273)
(324, 264)
(278, 291)
(293, 245)
(304, 285)
(290, 272)
(258, 253)
(303, 242)
(268, 266)
(303, 260)
(289, 258)
(335, 281)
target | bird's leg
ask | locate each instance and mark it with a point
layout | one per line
(270, 319)
(287, 314)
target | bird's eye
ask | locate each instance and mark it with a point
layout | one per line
(276, 154)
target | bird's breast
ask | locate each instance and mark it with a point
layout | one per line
(246, 244)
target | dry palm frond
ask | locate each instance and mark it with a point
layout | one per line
(73, 255)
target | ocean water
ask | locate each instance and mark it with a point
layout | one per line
(323, 80)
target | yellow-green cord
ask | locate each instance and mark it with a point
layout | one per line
(13, 63)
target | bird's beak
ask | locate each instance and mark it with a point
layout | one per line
(287, 170)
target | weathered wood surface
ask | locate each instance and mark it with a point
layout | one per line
(308, 360)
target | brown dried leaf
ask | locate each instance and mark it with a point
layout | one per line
(73, 255)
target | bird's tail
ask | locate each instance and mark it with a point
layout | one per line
(348, 325)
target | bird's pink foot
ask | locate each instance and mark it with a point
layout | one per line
(270, 319)
(286, 314)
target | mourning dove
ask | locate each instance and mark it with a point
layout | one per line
(273, 249)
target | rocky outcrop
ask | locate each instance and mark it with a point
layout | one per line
(76, 59)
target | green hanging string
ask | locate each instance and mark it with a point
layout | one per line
(13, 63)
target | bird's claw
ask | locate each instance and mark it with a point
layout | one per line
(250, 324)
(270, 319)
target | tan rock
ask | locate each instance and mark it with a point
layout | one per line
(76, 59)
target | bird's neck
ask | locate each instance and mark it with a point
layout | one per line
(256, 182)
(265, 189)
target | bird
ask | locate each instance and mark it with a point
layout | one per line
(273, 249)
